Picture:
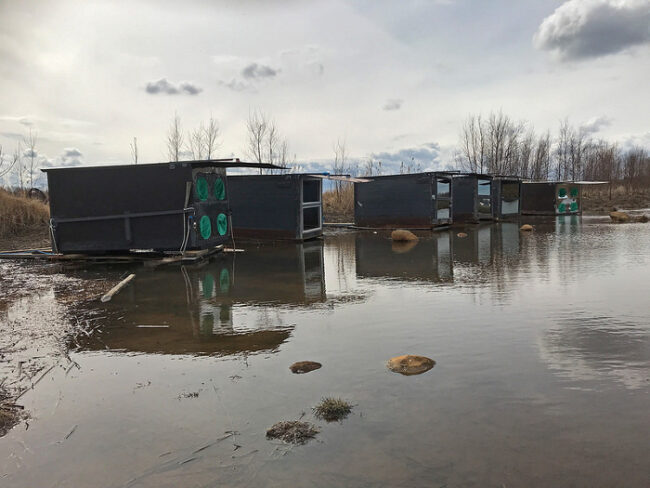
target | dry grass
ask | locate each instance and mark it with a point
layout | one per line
(292, 431)
(332, 409)
(19, 213)
(339, 207)
(597, 199)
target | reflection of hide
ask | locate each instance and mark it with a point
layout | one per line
(197, 306)
(280, 273)
(477, 247)
(429, 260)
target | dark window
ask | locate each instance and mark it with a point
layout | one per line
(311, 191)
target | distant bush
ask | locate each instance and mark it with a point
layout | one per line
(18, 213)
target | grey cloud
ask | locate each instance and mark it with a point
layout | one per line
(165, 87)
(256, 71)
(393, 104)
(28, 153)
(595, 124)
(71, 152)
(236, 85)
(581, 29)
(426, 155)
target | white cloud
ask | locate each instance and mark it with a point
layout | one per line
(581, 29)
(595, 124)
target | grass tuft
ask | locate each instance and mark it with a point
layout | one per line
(331, 409)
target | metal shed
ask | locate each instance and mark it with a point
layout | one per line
(472, 197)
(551, 198)
(161, 207)
(287, 206)
(416, 201)
(506, 197)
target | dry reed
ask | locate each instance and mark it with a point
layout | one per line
(19, 213)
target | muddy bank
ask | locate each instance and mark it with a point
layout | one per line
(43, 313)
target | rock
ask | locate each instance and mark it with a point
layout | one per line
(403, 235)
(401, 247)
(410, 365)
(619, 217)
(304, 367)
(292, 431)
(526, 228)
(643, 219)
(461, 234)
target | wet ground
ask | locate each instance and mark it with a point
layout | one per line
(541, 342)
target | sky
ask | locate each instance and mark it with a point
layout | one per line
(393, 80)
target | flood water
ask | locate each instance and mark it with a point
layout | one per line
(542, 375)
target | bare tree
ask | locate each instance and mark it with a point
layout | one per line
(210, 137)
(196, 142)
(175, 139)
(30, 141)
(339, 166)
(257, 126)
(134, 150)
(265, 144)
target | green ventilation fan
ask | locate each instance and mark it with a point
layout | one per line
(219, 189)
(562, 208)
(222, 224)
(574, 192)
(562, 193)
(205, 227)
(574, 206)
(202, 188)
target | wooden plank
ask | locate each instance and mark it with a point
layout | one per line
(116, 289)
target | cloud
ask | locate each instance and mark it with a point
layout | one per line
(582, 29)
(426, 156)
(595, 124)
(71, 156)
(256, 71)
(393, 104)
(236, 85)
(71, 152)
(28, 153)
(165, 87)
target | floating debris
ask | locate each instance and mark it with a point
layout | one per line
(332, 409)
(526, 228)
(302, 367)
(403, 235)
(461, 235)
(293, 431)
(410, 365)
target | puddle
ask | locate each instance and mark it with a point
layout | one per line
(541, 342)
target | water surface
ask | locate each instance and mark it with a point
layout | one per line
(542, 344)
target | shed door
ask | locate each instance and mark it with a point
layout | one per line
(441, 200)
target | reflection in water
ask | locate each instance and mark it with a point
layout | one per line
(200, 309)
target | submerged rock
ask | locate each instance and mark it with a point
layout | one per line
(304, 367)
(293, 431)
(332, 409)
(403, 235)
(410, 365)
(461, 234)
(619, 217)
(624, 217)
(526, 227)
(401, 247)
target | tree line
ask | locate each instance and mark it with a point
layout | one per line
(497, 144)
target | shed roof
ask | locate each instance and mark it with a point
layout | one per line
(204, 163)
